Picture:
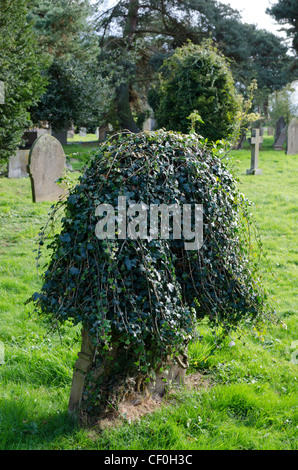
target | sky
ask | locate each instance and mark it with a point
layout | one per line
(253, 12)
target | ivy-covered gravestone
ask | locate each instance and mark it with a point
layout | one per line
(138, 298)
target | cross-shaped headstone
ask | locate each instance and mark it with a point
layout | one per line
(256, 140)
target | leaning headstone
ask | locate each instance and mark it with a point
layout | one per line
(292, 147)
(83, 132)
(255, 142)
(17, 165)
(279, 143)
(279, 126)
(46, 165)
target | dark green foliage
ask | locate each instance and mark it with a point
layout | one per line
(21, 64)
(75, 94)
(198, 78)
(285, 12)
(144, 296)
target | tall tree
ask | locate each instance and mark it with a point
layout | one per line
(21, 66)
(146, 33)
(75, 92)
(149, 32)
(285, 12)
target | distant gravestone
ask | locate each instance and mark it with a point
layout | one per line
(292, 147)
(270, 131)
(103, 131)
(279, 143)
(46, 165)
(17, 165)
(83, 132)
(61, 136)
(29, 137)
(256, 141)
(279, 129)
(71, 133)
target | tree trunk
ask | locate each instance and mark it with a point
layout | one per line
(125, 117)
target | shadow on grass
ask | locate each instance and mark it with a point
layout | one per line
(25, 426)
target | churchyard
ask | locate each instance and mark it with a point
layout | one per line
(241, 396)
(148, 228)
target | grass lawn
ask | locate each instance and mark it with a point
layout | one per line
(249, 398)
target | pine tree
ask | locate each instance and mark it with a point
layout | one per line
(285, 12)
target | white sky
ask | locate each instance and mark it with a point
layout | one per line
(253, 12)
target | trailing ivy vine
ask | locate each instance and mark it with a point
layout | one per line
(145, 296)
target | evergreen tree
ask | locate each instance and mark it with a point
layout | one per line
(21, 65)
(148, 32)
(75, 94)
(285, 12)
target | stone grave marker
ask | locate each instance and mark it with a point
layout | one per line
(71, 133)
(255, 142)
(17, 165)
(61, 136)
(280, 134)
(46, 165)
(279, 143)
(270, 131)
(83, 132)
(292, 147)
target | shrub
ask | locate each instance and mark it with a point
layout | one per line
(197, 78)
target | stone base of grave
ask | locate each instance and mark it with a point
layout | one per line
(171, 375)
(254, 172)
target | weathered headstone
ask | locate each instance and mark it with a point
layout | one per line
(83, 132)
(172, 375)
(292, 147)
(17, 165)
(30, 136)
(71, 133)
(279, 143)
(102, 132)
(46, 165)
(279, 127)
(270, 131)
(61, 136)
(255, 142)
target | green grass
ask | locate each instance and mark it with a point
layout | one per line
(78, 154)
(251, 401)
(79, 139)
